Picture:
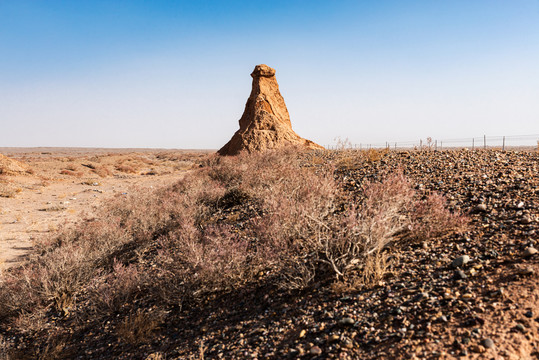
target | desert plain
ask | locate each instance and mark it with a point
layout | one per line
(63, 184)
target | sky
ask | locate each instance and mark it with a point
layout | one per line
(175, 74)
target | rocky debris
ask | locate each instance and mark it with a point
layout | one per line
(265, 123)
(530, 251)
(487, 343)
(460, 275)
(315, 350)
(347, 321)
(12, 167)
(481, 208)
(460, 261)
(525, 270)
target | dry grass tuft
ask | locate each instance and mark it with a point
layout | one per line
(126, 168)
(138, 327)
(102, 171)
(115, 289)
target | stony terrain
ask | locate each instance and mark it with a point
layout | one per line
(474, 295)
(470, 295)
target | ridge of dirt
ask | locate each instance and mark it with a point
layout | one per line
(429, 306)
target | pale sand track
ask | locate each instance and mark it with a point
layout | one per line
(46, 200)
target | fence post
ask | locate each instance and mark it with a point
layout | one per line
(473, 143)
(484, 141)
(441, 145)
(395, 146)
(435, 145)
(503, 146)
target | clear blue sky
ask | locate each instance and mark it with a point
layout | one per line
(175, 74)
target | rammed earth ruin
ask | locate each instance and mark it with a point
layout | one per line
(265, 123)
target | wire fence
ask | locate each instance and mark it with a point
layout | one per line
(483, 142)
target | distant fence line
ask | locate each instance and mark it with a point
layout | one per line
(473, 143)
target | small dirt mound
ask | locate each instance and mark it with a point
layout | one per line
(12, 167)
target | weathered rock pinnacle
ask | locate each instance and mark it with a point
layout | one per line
(265, 123)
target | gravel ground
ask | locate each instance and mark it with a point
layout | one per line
(472, 295)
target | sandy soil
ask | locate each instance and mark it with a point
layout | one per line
(66, 184)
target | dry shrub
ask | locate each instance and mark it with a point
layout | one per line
(385, 211)
(312, 237)
(117, 288)
(7, 188)
(20, 300)
(200, 256)
(215, 258)
(102, 171)
(142, 159)
(374, 268)
(308, 229)
(146, 215)
(60, 268)
(348, 158)
(303, 230)
(138, 327)
(132, 164)
(300, 224)
(374, 155)
(84, 255)
(371, 271)
(430, 218)
(126, 168)
(204, 256)
(72, 173)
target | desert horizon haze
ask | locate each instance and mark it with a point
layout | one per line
(172, 74)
